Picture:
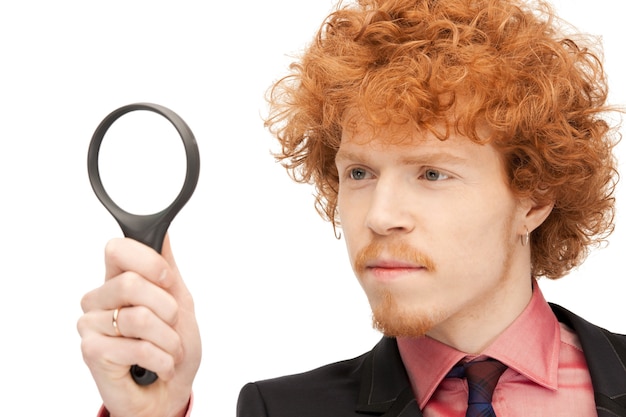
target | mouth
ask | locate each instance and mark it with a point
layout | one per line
(393, 264)
(386, 270)
(391, 260)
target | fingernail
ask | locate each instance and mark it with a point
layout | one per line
(163, 277)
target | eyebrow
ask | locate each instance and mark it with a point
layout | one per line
(422, 159)
(434, 157)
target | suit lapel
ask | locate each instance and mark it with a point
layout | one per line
(605, 353)
(385, 388)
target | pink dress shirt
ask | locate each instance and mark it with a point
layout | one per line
(547, 373)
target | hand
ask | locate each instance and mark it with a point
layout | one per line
(157, 330)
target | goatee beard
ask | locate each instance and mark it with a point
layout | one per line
(392, 321)
(387, 316)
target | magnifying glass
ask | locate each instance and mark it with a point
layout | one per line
(149, 229)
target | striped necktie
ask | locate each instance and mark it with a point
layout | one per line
(482, 377)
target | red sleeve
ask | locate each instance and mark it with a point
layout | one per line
(105, 413)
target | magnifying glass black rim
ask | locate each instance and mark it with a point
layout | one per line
(149, 229)
(191, 151)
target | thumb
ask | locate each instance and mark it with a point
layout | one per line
(175, 284)
(166, 252)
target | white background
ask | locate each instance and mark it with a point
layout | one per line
(273, 287)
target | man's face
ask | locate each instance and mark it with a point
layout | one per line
(432, 230)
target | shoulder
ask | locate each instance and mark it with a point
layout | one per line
(337, 384)
(582, 326)
(363, 384)
(605, 353)
(351, 387)
(595, 340)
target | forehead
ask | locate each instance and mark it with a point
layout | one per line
(405, 137)
(405, 144)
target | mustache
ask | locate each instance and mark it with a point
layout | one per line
(398, 251)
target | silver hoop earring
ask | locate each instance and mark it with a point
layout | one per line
(337, 234)
(525, 238)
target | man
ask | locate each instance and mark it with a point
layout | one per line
(462, 148)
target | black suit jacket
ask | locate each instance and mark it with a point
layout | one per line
(376, 383)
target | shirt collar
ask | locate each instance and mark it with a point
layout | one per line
(530, 346)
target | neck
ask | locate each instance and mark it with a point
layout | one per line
(473, 330)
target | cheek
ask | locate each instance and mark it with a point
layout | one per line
(471, 231)
(352, 212)
(351, 240)
(485, 235)
(347, 223)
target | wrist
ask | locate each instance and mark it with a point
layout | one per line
(186, 411)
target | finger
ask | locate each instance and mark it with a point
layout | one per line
(131, 289)
(174, 282)
(115, 356)
(135, 323)
(124, 254)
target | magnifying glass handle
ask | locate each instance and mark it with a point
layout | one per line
(148, 229)
(142, 376)
(152, 236)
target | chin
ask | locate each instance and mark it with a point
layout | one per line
(394, 320)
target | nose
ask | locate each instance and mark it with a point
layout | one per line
(391, 209)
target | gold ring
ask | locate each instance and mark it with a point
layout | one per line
(116, 313)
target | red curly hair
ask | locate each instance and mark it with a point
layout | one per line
(540, 91)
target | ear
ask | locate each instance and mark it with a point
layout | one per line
(533, 214)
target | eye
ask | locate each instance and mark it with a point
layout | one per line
(358, 174)
(434, 175)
